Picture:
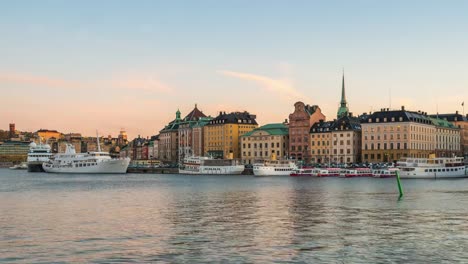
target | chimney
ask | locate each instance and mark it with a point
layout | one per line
(403, 108)
(220, 112)
(456, 112)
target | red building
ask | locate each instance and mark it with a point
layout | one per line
(300, 122)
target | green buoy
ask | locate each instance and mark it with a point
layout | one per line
(400, 189)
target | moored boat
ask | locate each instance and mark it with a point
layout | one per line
(90, 162)
(432, 168)
(208, 165)
(37, 155)
(274, 168)
(358, 172)
(385, 173)
(311, 172)
(21, 166)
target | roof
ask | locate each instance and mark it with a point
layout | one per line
(398, 116)
(345, 123)
(310, 109)
(47, 130)
(451, 117)
(234, 118)
(442, 123)
(276, 129)
(195, 115)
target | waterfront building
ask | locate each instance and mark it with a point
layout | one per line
(186, 137)
(12, 131)
(14, 151)
(154, 147)
(198, 137)
(169, 141)
(389, 135)
(447, 138)
(337, 141)
(461, 121)
(221, 134)
(122, 138)
(46, 134)
(300, 122)
(267, 142)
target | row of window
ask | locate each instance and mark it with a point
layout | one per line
(260, 145)
(444, 170)
(327, 151)
(260, 153)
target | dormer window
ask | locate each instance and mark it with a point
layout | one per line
(385, 119)
(370, 120)
(401, 119)
(377, 120)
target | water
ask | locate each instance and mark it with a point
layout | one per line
(230, 219)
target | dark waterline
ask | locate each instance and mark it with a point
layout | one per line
(176, 218)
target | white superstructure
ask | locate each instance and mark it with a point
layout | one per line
(91, 162)
(208, 165)
(37, 155)
(432, 168)
(274, 168)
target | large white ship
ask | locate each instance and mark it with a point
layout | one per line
(37, 155)
(208, 165)
(91, 162)
(432, 168)
(274, 168)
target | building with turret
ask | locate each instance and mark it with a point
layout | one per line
(187, 138)
(169, 141)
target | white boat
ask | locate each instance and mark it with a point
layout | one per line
(385, 173)
(311, 172)
(330, 172)
(432, 168)
(37, 155)
(208, 165)
(357, 172)
(274, 168)
(21, 166)
(90, 162)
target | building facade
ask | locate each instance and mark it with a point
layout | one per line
(264, 143)
(14, 151)
(300, 122)
(169, 141)
(447, 138)
(186, 135)
(46, 134)
(460, 121)
(389, 135)
(221, 134)
(337, 141)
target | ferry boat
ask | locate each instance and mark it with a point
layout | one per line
(37, 155)
(358, 172)
(329, 172)
(209, 165)
(274, 168)
(91, 162)
(311, 172)
(385, 173)
(432, 168)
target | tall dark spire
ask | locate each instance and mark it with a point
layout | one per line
(343, 109)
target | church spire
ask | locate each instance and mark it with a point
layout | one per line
(343, 109)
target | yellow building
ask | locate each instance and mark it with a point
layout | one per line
(221, 135)
(46, 134)
(389, 135)
(264, 143)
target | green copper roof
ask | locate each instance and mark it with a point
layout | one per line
(442, 123)
(276, 129)
(343, 109)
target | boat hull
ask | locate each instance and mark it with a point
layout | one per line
(117, 166)
(215, 170)
(35, 167)
(271, 171)
(418, 173)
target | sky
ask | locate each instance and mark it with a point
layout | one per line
(78, 66)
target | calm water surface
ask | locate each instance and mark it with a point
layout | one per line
(176, 218)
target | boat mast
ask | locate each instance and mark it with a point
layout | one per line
(97, 138)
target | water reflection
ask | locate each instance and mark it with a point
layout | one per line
(176, 218)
